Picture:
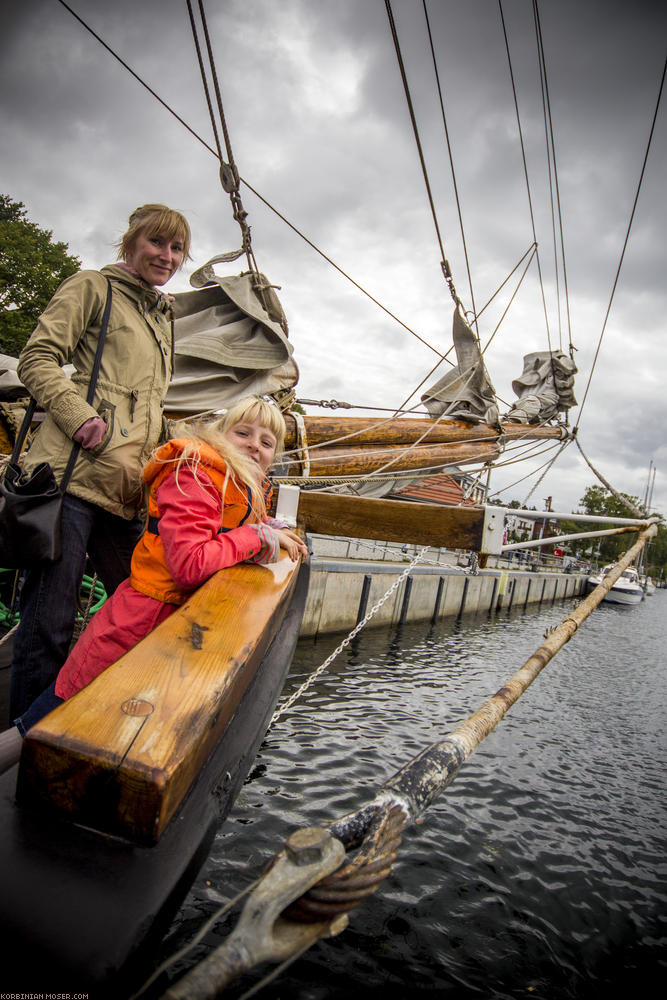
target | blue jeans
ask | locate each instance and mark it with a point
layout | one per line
(47, 701)
(49, 594)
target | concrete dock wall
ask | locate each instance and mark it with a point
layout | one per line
(343, 590)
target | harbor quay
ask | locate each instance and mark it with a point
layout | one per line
(349, 576)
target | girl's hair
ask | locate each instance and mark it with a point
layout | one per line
(155, 220)
(239, 468)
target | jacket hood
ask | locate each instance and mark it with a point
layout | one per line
(172, 450)
(136, 289)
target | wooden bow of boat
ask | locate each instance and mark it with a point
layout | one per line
(84, 908)
(121, 755)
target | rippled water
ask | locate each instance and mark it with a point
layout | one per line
(539, 873)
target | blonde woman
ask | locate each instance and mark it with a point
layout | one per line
(116, 433)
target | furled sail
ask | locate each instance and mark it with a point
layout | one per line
(466, 392)
(545, 387)
(230, 341)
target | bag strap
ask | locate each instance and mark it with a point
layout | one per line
(23, 431)
(27, 420)
(67, 475)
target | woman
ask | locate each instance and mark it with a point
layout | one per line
(117, 433)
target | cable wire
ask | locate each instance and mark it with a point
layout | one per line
(625, 243)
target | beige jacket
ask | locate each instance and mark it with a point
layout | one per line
(134, 375)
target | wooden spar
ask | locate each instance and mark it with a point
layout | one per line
(121, 755)
(405, 430)
(430, 772)
(391, 520)
(361, 446)
(367, 459)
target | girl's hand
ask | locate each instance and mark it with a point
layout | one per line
(269, 545)
(292, 543)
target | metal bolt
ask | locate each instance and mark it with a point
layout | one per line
(306, 846)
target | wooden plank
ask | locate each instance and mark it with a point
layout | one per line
(122, 753)
(391, 520)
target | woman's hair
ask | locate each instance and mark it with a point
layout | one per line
(240, 469)
(155, 220)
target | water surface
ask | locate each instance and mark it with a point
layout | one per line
(539, 873)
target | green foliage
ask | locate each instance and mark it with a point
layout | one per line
(597, 500)
(31, 268)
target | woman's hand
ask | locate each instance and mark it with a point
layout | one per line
(292, 543)
(90, 433)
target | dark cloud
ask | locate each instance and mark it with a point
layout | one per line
(319, 125)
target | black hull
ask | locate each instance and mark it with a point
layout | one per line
(82, 912)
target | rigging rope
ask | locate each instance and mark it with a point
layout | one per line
(527, 476)
(246, 183)
(621, 497)
(625, 243)
(229, 175)
(546, 113)
(451, 162)
(531, 250)
(214, 124)
(547, 467)
(237, 179)
(443, 263)
(525, 170)
(548, 117)
(344, 273)
(136, 76)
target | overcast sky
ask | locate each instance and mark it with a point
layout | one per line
(320, 128)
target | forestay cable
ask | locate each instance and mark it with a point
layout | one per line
(243, 181)
(625, 243)
(443, 263)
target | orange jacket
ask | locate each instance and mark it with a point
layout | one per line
(217, 540)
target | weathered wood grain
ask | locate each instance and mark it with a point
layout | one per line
(404, 430)
(391, 520)
(373, 458)
(122, 753)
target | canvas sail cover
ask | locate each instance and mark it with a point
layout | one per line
(230, 341)
(545, 387)
(466, 392)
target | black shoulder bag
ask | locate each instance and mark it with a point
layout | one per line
(30, 506)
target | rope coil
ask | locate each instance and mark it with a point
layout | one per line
(351, 884)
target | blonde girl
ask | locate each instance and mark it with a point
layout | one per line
(207, 496)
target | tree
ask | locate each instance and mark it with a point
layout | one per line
(597, 500)
(31, 268)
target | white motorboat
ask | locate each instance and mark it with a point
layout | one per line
(626, 590)
(648, 585)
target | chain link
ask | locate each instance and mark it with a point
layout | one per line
(285, 706)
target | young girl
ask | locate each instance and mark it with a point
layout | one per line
(206, 510)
